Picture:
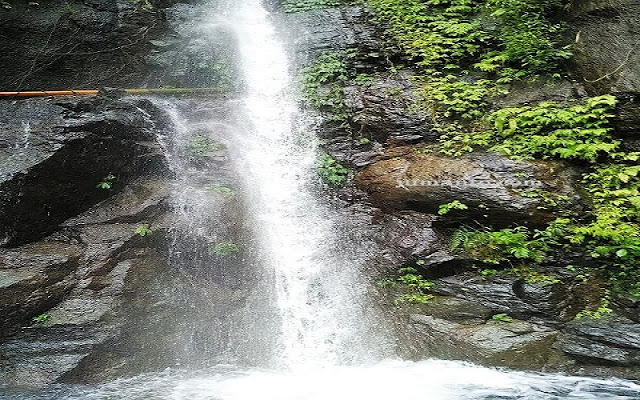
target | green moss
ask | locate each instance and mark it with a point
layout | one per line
(225, 249)
(292, 6)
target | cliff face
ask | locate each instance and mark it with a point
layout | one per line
(73, 256)
(516, 312)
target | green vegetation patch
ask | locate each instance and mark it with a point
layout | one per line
(609, 233)
(292, 6)
(331, 171)
(224, 249)
(416, 289)
(200, 146)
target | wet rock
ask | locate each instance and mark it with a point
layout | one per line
(312, 33)
(607, 340)
(516, 344)
(545, 303)
(75, 44)
(33, 278)
(56, 152)
(381, 111)
(493, 187)
(606, 40)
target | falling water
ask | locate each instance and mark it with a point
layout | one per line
(317, 292)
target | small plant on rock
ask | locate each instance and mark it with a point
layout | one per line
(331, 171)
(107, 182)
(502, 318)
(454, 205)
(143, 230)
(225, 249)
(42, 318)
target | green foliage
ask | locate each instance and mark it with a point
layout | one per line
(548, 131)
(495, 247)
(323, 82)
(143, 230)
(225, 249)
(223, 190)
(292, 6)
(502, 318)
(143, 4)
(454, 205)
(331, 171)
(364, 80)
(201, 146)
(42, 318)
(107, 182)
(529, 38)
(611, 232)
(414, 285)
(467, 49)
(598, 312)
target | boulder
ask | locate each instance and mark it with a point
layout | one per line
(382, 111)
(497, 190)
(515, 344)
(333, 29)
(55, 152)
(606, 37)
(33, 278)
(544, 302)
(607, 340)
(76, 44)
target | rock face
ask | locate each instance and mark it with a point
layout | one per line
(77, 44)
(606, 40)
(56, 152)
(405, 183)
(494, 188)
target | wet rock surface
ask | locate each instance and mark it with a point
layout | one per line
(74, 44)
(72, 147)
(406, 183)
(494, 186)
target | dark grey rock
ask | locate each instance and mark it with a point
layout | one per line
(516, 344)
(382, 111)
(312, 33)
(56, 152)
(606, 40)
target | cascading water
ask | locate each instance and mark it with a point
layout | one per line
(325, 345)
(317, 294)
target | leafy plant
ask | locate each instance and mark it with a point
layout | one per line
(200, 146)
(413, 283)
(331, 171)
(495, 247)
(598, 312)
(225, 191)
(293, 6)
(42, 318)
(448, 207)
(323, 82)
(107, 182)
(143, 230)
(502, 318)
(225, 249)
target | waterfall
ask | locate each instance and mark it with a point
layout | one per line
(317, 292)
